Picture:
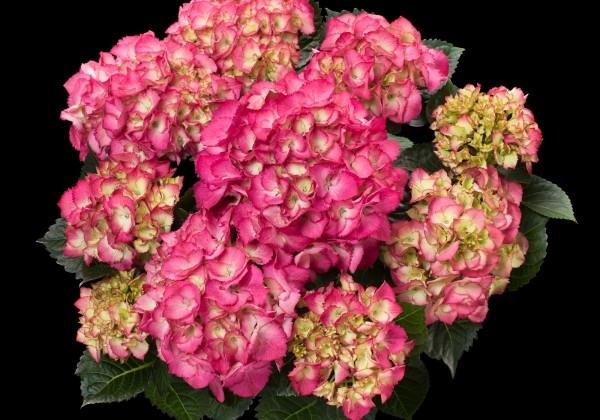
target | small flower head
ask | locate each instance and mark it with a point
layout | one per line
(109, 322)
(347, 348)
(117, 214)
(474, 129)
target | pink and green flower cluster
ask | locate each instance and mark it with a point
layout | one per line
(249, 40)
(109, 322)
(459, 245)
(306, 170)
(153, 97)
(474, 129)
(347, 348)
(117, 214)
(218, 319)
(383, 64)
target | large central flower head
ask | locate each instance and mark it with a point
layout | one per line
(347, 348)
(117, 214)
(307, 170)
(218, 319)
(474, 129)
(382, 64)
(459, 246)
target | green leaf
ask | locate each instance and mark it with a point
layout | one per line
(96, 270)
(448, 342)
(333, 14)
(54, 240)
(323, 279)
(112, 381)
(288, 408)
(393, 127)
(412, 319)
(184, 207)
(279, 384)
(547, 199)
(174, 397)
(374, 275)
(419, 156)
(307, 43)
(438, 98)
(90, 164)
(410, 392)
(453, 53)
(533, 226)
(299, 408)
(519, 174)
(232, 408)
(405, 143)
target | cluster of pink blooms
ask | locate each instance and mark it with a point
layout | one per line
(474, 129)
(249, 40)
(382, 64)
(153, 97)
(459, 245)
(109, 323)
(117, 214)
(308, 171)
(347, 348)
(218, 319)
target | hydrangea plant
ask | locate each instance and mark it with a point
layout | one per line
(312, 256)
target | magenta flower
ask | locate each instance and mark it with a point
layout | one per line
(218, 319)
(347, 348)
(154, 97)
(381, 64)
(304, 170)
(249, 40)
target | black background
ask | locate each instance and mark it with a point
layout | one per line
(532, 352)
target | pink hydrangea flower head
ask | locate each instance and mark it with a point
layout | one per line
(114, 97)
(109, 322)
(459, 245)
(347, 348)
(117, 214)
(381, 64)
(308, 171)
(146, 96)
(249, 40)
(218, 319)
(473, 129)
